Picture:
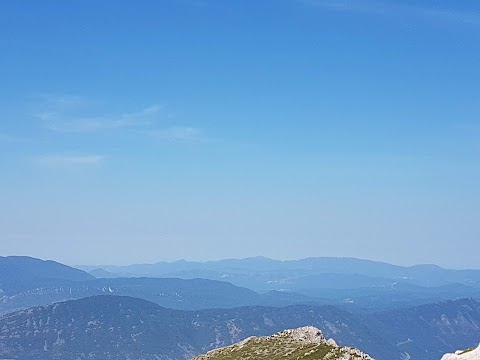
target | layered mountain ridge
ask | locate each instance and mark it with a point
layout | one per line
(104, 327)
(354, 284)
(357, 287)
(371, 313)
(260, 273)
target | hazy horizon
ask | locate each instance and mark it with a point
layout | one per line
(205, 129)
(100, 265)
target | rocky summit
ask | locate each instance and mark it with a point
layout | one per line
(470, 354)
(305, 343)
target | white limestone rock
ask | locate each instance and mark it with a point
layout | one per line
(472, 354)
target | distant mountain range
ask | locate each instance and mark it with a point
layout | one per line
(23, 268)
(104, 327)
(26, 282)
(22, 273)
(375, 307)
(262, 274)
(354, 284)
(436, 328)
(182, 294)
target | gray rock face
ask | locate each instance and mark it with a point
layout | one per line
(307, 334)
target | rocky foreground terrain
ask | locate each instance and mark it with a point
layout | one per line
(470, 354)
(305, 343)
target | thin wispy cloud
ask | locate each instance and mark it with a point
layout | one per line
(69, 161)
(63, 115)
(182, 134)
(391, 8)
(68, 123)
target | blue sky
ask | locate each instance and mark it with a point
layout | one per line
(207, 129)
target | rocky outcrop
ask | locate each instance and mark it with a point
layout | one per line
(302, 343)
(470, 354)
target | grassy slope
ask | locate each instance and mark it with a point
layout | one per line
(275, 348)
